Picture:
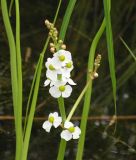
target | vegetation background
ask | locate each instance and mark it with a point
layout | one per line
(85, 21)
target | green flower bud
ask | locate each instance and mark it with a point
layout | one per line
(51, 67)
(51, 119)
(62, 58)
(71, 129)
(62, 88)
(69, 65)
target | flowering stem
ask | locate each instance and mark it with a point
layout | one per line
(62, 108)
(86, 106)
(78, 101)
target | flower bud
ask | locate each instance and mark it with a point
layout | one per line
(52, 49)
(47, 22)
(51, 44)
(63, 46)
(60, 41)
(95, 75)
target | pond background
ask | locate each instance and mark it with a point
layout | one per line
(85, 21)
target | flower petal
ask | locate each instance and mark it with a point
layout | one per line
(68, 124)
(67, 92)
(57, 122)
(54, 92)
(66, 135)
(55, 114)
(71, 82)
(51, 75)
(47, 82)
(68, 55)
(76, 133)
(48, 62)
(47, 126)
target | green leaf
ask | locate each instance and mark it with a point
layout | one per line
(109, 39)
(66, 19)
(88, 94)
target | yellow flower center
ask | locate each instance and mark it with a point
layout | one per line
(62, 58)
(69, 65)
(51, 119)
(51, 67)
(62, 88)
(71, 129)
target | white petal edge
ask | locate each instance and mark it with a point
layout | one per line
(54, 92)
(47, 126)
(57, 122)
(47, 82)
(66, 135)
(71, 82)
(68, 124)
(67, 92)
(76, 133)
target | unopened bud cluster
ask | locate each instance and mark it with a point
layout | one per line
(53, 33)
(97, 61)
(59, 66)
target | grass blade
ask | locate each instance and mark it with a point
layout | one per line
(19, 76)
(66, 19)
(129, 50)
(110, 47)
(10, 7)
(32, 110)
(33, 99)
(15, 60)
(111, 58)
(87, 100)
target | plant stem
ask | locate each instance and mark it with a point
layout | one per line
(87, 100)
(14, 73)
(19, 75)
(78, 101)
(33, 98)
(62, 34)
(111, 59)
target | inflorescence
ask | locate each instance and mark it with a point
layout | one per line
(58, 74)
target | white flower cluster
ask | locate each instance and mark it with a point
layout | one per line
(70, 131)
(58, 74)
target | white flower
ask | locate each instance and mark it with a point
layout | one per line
(61, 58)
(51, 72)
(70, 131)
(60, 90)
(58, 74)
(53, 120)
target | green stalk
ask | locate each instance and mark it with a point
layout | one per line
(33, 99)
(32, 110)
(66, 19)
(109, 38)
(10, 7)
(78, 101)
(62, 146)
(30, 96)
(62, 108)
(87, 100)
(14, 73)
(19, 75)
(64, 27)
